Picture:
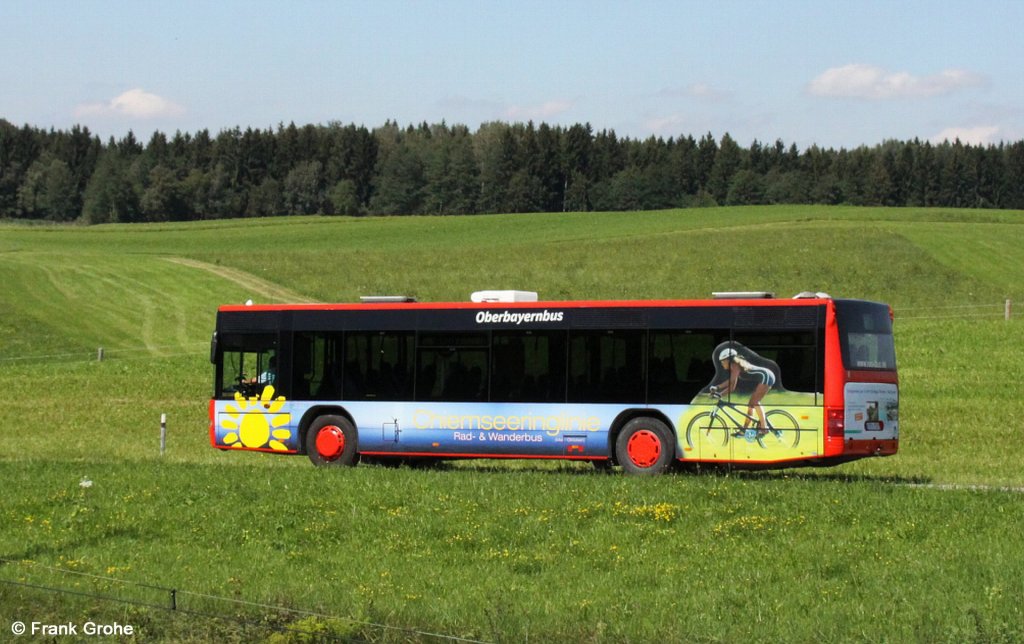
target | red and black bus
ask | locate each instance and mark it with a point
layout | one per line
(744, 379)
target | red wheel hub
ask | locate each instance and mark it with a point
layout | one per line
(330, 442)
(644, 448)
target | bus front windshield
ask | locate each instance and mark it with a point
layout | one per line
(865, 335)
(246, 364)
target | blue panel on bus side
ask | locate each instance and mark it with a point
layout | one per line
(485, 429)
(522, 429)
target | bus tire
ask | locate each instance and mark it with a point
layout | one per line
(645, 446)
(331, 441)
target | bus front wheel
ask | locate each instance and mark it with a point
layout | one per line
(331, 441)
(645, 446)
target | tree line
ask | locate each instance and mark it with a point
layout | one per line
(447, 169)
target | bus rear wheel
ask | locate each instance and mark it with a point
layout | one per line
(331, 441)
(645, 446)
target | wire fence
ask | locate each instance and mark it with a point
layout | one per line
(248, 614)
(990, 311)
(100, 354)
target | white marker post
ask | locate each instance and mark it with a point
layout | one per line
(163, 433)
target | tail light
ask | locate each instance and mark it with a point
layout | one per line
(835, 420)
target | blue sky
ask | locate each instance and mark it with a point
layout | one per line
(836, 74)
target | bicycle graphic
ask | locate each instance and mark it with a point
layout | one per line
(727, 418)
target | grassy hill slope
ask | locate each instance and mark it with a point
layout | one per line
(513, 551)
(685, 253)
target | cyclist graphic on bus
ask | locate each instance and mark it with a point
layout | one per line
(735, 362)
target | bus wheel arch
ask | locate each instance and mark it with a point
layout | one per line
(315, 412)
(329, 437)
(642, 441)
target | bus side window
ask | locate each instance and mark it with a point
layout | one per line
(793, 353)
(315, 366)
(378, 365)
(528, 366)
(680, 364)
(607, 366)
(307, 365)
(452, 367)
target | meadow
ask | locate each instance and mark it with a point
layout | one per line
(916, 547)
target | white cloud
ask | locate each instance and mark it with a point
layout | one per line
(875, 83)
(701, 91)
(135, 103)
(666, 125)
(460, 103)
(981, 135)
(538, 112)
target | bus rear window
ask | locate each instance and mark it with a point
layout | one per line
(865, 335)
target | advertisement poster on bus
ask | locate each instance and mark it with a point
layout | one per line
(745, 413)
(872, 411)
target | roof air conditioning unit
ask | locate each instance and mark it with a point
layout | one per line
(743, 295)
(503, 296)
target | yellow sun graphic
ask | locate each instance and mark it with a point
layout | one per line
(257, 421)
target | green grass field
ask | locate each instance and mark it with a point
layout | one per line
(917, 547)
